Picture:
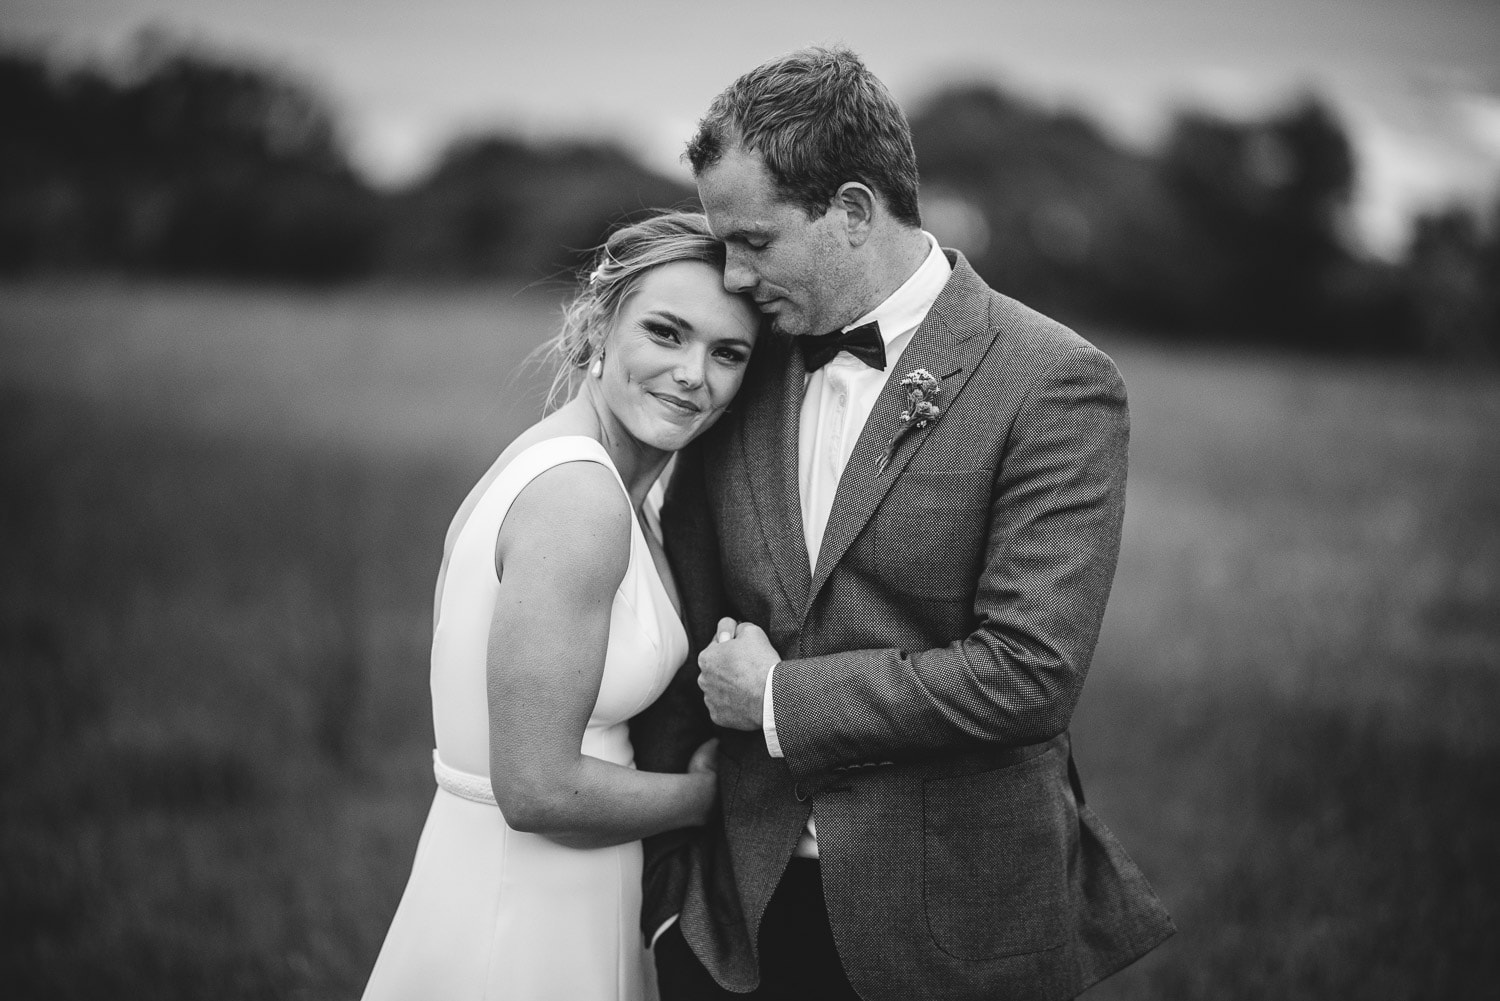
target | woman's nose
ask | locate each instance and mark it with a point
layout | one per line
(689, 370)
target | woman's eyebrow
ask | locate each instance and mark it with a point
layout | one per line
(673, 317)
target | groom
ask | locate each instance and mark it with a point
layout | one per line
(895, 556)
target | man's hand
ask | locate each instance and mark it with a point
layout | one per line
(732, 674)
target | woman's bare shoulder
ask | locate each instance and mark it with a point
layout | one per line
(572, 519)
(555, 425)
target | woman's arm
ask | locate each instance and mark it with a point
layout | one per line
(561, 554)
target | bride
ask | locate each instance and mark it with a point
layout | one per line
(556, 621)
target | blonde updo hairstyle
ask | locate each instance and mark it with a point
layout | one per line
(618, 268)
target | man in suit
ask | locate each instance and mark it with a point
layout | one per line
(895, 554)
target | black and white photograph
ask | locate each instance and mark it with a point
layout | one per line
(545, 500)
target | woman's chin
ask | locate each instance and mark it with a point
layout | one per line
(672, 439)
(673, 436)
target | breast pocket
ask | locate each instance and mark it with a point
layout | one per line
(929, 535)
(995, 855)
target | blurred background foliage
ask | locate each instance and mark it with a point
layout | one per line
(179, 162)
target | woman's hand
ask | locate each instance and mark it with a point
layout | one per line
(705, 759)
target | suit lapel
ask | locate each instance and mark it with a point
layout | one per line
(950, 342)
(768, 442)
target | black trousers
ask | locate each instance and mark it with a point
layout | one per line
(798, 960)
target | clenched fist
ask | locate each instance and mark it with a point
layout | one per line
(732, 674)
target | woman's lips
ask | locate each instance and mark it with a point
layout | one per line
(678, 403)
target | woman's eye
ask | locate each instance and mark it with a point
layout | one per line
(732, 355)
(661, 330)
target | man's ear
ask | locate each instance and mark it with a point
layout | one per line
(859, 206)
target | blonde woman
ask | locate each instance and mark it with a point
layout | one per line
(556, 621)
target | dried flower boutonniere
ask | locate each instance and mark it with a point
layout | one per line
(922, 388)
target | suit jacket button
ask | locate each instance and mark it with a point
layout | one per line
(797, 791)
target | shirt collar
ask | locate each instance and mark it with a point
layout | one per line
(908, 305)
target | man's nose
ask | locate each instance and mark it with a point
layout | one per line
(738, 276)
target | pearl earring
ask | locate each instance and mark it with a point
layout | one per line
(597, 368)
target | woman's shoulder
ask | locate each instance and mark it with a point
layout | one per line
(570, 512)
(570, 478)
(553, 442)
(527, 459)
(561, 433)
(564, 469)
(533, 441)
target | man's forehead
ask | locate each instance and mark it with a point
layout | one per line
(740, 172)
(732, 219)
(733, 211)
(741, 199)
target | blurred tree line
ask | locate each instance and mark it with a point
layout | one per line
(1230, 229)
(179, 162)
(182, 163)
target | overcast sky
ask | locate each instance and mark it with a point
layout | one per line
(1416, 82)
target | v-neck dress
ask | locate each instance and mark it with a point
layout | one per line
(490, 912)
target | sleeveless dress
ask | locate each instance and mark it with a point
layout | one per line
(490, 912)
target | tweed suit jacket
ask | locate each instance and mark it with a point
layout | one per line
(931, 663)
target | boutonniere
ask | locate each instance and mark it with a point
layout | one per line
(922, 388)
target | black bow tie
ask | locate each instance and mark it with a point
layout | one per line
(863, 342)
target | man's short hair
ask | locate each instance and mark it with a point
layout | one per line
(818, 118)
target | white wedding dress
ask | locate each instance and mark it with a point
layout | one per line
(490, 912)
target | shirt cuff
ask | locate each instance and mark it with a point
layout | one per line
(664, 926)
(768, 714)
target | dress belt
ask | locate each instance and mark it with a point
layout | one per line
(466, 785)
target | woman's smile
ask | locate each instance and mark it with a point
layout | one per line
(677, 404)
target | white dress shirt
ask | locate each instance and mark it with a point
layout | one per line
(836, 402)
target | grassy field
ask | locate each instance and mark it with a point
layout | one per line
(221, 511)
